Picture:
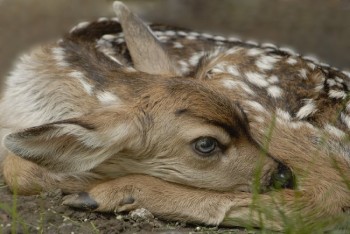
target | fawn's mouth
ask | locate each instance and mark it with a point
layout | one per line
(282, 178)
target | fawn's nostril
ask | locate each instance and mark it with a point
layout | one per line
(282, 178)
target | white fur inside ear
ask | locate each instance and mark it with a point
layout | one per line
(120, 9)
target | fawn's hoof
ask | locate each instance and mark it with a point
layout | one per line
(80, 200)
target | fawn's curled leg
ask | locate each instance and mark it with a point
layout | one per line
(163, 199)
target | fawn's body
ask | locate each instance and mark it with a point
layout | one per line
(97, 109)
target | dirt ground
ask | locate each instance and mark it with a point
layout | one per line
(45, 214)
(321, 28)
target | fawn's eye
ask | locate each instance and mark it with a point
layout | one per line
(205, 145)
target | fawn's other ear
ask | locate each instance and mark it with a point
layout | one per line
(75, 145)
(146, 51)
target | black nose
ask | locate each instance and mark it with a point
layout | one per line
(283, 178)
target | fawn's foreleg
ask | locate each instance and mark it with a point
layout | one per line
(27, 178)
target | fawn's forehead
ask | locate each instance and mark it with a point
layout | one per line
(198, 101)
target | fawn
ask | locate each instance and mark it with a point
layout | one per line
(193, 127)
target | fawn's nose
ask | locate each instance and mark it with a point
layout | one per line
(282, 178)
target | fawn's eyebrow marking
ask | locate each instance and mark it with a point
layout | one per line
(227, 127)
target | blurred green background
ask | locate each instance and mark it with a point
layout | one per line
(318, 27)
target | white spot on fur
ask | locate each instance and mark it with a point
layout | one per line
(319, 87)
(195, 58)
(230, 84)
(257, 79)
(254, 52)
(195, 34)
(288, 51)
(190, 37)
(208, 36)
(103, 43)
(232, 50)
(291, 61)
(234, 39)
(105, 47)
(303, 73)
(273, 79)
(308, 109)
(182, 33)
(324, 64)
(311, 58)
(82, 79)
(339, 94)
(113, 59)
(233, 70)
(295, 125)
(283, 114)
(346, 73)
(170, 33)
(257, 106)
(311, 65)
(331, 82)
(59, 55)
(163, 38)
(109, 37)
(259, 119)
(269, 45)
(252, 43)
(266, 62)
(120, 40)
(184, 66)
(274, 91)
(178, 45)
(339, 80)
(224, 68)
(80, 26)
(345, 119)
(102, 19)
(115, 19)
(219, 38)
(334, 131)
(107, 98)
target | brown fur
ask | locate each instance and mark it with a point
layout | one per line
(122, 127)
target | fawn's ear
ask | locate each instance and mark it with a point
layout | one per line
(146, 51)
(77, 144)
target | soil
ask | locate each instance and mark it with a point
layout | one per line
(44, 214)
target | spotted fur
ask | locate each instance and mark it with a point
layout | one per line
(103, 104)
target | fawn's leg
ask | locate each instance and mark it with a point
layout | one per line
(171, 201)
(163, 199)
(26, 178)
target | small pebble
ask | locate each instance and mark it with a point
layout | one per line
(141, 214)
